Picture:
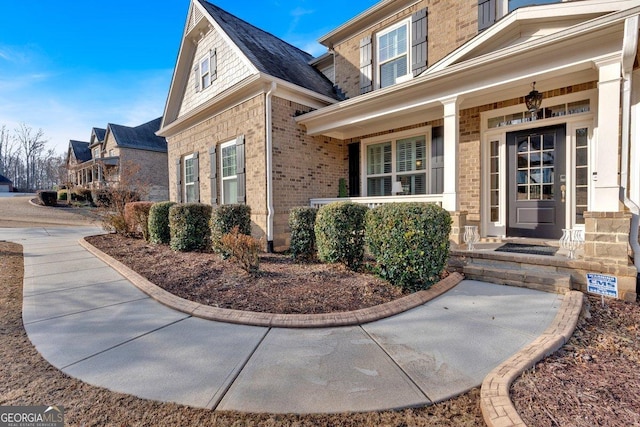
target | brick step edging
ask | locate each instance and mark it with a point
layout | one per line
(495, 403)
(347, 318)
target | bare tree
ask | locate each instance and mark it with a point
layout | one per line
(32, 144)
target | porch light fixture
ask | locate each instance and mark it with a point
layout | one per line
(533, 100)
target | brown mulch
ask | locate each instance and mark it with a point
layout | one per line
(594, 380)
(27, 379)
(280, 285)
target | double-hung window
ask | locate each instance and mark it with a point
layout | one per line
(412, 160)
(190, 178)
(393, 53)
(229, 173)
(205, 71)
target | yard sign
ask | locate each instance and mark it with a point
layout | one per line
(607, 286)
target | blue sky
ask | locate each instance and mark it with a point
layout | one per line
(67, 66)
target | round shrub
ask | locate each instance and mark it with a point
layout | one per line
(159, 223)
(62, 195)
(48, 198)
(224, 219)
(189, 227)
(339, 233)
(410, 242)
(136, 215)
(302, 221)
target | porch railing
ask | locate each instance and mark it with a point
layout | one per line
(372, 202)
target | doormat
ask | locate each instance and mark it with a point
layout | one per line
(522, 248)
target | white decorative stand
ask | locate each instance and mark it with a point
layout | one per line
(471, 236)
(572, 239)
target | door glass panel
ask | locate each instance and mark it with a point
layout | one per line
(536, 161)
(582, 174)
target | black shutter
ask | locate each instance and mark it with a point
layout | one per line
(196, 177)
(419, 38)
(196, 77)
(179, 180)
(240, 170)
(486, 13)
(354, 169)
(213, 177)
(213, 65)
(437, 160)
(366, 65)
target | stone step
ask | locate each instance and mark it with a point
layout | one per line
(533, 279)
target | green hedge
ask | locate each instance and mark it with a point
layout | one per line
(225, 218)
(302, 221)
(48, 198)
(339, 233)
(410, 242)
(62, 195)
(159, 232)
(189, 227)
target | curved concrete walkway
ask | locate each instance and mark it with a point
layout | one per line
(92, 323)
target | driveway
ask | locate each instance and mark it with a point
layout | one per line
(17, 212)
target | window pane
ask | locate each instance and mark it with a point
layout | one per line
(390, 71)
(379, 158)
(410, 154)
(228, 161)
(190, 190)
(379, 186)
(189, 176)
(413, 184)
(392, 44)
(230, 191)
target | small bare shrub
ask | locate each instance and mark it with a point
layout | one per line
(136, 215)
(242, 249)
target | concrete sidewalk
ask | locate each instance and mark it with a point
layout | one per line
(93, 324)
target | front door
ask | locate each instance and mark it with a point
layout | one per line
(536, 183)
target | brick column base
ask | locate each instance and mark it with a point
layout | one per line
(458, 221)
(607, 237)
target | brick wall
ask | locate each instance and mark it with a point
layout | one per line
(450, 24)
(152, 172)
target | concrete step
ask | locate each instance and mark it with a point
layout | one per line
(533, 279)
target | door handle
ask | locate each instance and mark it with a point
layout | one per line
(563, 192)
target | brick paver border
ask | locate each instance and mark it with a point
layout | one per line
(347, 318)
(496, 405)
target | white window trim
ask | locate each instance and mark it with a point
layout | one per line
(223, 178)
(184, 177)
(572, 121)
(405, 22)
(393, 137)
(201, 75)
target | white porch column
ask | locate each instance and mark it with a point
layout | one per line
(606, 188)
(450, 199)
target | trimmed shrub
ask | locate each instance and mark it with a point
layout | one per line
(62, 195)
(159, 231)
(410, 242)
(189, 227)
(48, 198)
(223, 219)
(242, 249)
(136, 215)
(339, 231)
(302, 221)
(81, 195)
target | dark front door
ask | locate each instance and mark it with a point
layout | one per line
(536, 182)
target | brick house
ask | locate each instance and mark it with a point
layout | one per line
(508, 115)
(96, 164)
(6, 185)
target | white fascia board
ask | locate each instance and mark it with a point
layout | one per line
(550, 12)
(295, 93)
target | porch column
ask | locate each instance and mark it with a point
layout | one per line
(606, 188)
(450, 200)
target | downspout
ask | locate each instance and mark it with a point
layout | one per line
(269, 166)
(629, 50)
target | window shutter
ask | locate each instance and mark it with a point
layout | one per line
(366, 65)
(486, 13)
(213, 64)
(419, 38)
(196, 77)
(196, 178)
(179, 180)
(437, 160)
(213, 177)
(240, 170)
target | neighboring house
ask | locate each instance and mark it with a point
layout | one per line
(423, 101)
(6, 185)
(97, 163)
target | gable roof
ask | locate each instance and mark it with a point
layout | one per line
(99, 133)
(271, 55)
(5, 180)
(80, 150)
(142, 137)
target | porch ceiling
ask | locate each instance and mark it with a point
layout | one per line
(552, 61)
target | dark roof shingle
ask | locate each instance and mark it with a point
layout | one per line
(80, 150)
(271, 55)
(4, 180)
(142, 137)
(100, 133)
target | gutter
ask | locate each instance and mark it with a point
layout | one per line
(269, 165)
(629, 49)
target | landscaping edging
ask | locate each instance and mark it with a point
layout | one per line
(495, 403)
(348, 318)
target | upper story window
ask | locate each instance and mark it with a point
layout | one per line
(514, 4)
(206, 71)
(393, 54)
(489, 11)
(96, 153)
